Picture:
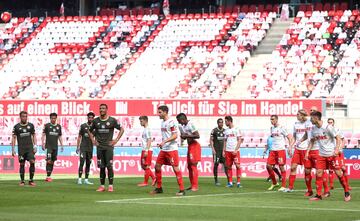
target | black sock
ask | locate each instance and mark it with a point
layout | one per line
(110, 175)
(81, 165)
(102, 176)
(215, 170)
(32, 171)
(22, 172)
(277, 172)
(49, 169)
(226, 172)
(87, 169)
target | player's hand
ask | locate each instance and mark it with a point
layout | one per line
(62, 149)
(77, 150)
(146, 153)
(13, 153)
(306, 155)
(336, 152)
(43, 147)
(213, 151)
(112, 143)
(264, 153)
(35, 149)
(223, 153)
(290, 152)
(96, 143)
(161, 144)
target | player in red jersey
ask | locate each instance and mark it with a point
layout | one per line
(189, 132)
(277, 153)
(169, 151)
(329, 145)
(146, 153)
(331, 122)
(231, 150)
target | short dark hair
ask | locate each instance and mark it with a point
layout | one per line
(331, 119)
(316, 114)
(90, 114)
(23, 112)
(181, 115)
(220, 119)
(229, 118)
(145, 118)
(53, 115)
(275, 116)
(105, 105)
(164, 108)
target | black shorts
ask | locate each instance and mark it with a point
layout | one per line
(26, 156)
(86, 155)
(105, 157)
(218, 158)
(51, 154)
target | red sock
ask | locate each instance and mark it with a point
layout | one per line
(195, 172)
(344, 183)
(331, 178)
(291, 181)
(151, 174)
(179, 179)
(230, 179)
(272, 175)
(283, 181)
(346, 178)
(238, 174)
(308, 179)
(191, 175)
(158, 178)
(325, 182)
(148, 173)
(319, 184)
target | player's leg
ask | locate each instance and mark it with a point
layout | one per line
(215, 169)
(159, 162)
(345, 174)
(31, 159)
(101, 164)
(336, 166)
(229, 161)
(88, 159)
(81, 165)
(269, 167)
(109, 155)
(22, 169)
(238, 169)
(331, 179)
(190, 169)
(173, 157)
(308, 179)
(277, 172)
(325, 184)
(195, 158)
(223, 163)
(143, 166)
(321, 165)
(294, 163)
(281, 159)
(51, 156)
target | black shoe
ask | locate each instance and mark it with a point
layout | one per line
(315, 198)
(189, 188)
(268, 179)
(157, 191)
(180, 193)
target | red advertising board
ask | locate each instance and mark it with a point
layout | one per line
(149, 107)
(251, 167)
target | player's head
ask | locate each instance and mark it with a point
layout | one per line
(143, 120)
(163, 111)
(274, 119)
(301, 115)
(331, 121)
(228, 121)
(182, 119)
(315, 117)
(220, 123)
(103, 110)
(90, 117)
(23, 117)
(313, 109)
(53, 117)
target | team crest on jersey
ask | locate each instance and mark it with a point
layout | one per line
(24, 130)
(57, 128)
(103, 126)
(28, 127)
(54, 130)
(86, 128)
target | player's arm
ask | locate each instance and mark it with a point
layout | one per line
(61, 140)
(225, 141)
(173, 137)
(266, 150)
(121, 132)
(33, 138)
(239, 141)
(338, 145)
(310, 146)
(212, 142)
(193, 135)
(78, 141)
(43, 137)
(13, 143)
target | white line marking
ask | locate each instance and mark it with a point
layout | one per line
(240, 206)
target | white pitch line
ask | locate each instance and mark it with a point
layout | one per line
(181, 197)
(249, 207)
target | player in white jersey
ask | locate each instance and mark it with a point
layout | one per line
(169, 151)
(146, 153)
(301, 127)
(189, 133)
(277, 154)
(231, 150)
(329, 147)
(331, 122)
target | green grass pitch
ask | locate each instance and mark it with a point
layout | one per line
(64, 200)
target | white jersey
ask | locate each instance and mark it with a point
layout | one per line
(316, 145)
(231, 137)
(146, 135)
(299, 130)
(187, 129)
(325, 138)
(279, 135)
(169, 127)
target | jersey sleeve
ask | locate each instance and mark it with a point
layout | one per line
(332, 131)
(172, 127)
(192, 128)
(117, 124)
(284, 132)
(45, 129)
(212, 133)
(60, 130)
(148, 134)
(238, 133)
(81, 131)
(32, 129)
(14, 131)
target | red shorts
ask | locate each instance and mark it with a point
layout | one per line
(194, 153)
(230, 158)
(341, 159)
(146, 161)
(312, 159)
(277, 157)
(168, 158)
(298, 157)
(332, 163)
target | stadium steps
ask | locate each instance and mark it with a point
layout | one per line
(273, 37)
(239, 88)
